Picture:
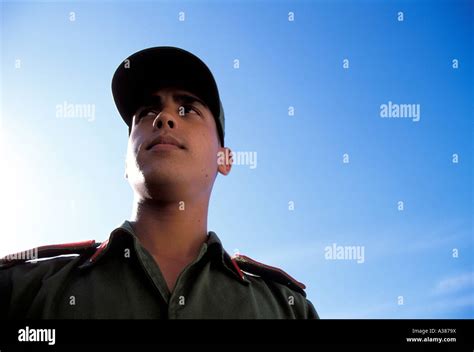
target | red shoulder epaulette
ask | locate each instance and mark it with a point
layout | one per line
(46, 252)
(266, 271)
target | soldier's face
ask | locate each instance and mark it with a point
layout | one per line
(183, 165)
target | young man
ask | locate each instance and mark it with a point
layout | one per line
(163, 263)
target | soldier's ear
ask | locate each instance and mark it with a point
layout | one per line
(224, 160)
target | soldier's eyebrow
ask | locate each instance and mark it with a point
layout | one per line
(179, 98)
(154, 100)
(183, 98)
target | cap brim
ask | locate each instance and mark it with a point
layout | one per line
(159, 67)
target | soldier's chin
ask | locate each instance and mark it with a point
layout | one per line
(164, 181)
(164, 191)
(163, 176)
(147, 181)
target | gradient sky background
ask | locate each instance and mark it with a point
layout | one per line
(63, 180)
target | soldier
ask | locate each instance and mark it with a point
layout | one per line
(163, 263)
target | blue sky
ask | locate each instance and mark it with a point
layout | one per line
(63, 178)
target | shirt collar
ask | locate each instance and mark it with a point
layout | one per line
(212, 246)
(124, 231)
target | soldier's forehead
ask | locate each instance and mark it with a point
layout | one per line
(178, 95)
(173, 91)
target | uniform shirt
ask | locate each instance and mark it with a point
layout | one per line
(121, 280)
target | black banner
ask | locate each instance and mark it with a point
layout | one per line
(407, 334)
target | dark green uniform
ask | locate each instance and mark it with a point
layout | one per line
(120, 279)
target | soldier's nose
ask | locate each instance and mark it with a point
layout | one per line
(164, 119)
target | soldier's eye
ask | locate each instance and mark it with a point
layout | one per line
(147, 112)
(188, 109)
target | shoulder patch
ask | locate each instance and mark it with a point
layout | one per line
(251, 266)
(46, 252)
(100, 249)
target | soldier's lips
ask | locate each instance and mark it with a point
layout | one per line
(165, 139)
(164, 147)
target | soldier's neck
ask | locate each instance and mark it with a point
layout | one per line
(171, 231)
